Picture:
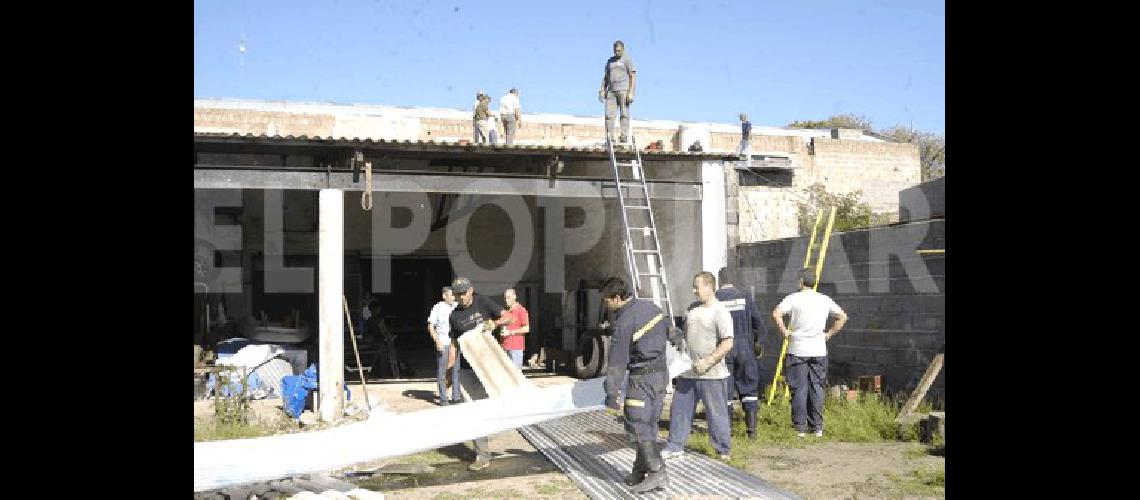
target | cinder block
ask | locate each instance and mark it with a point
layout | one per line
(884, 356)
(873, 338)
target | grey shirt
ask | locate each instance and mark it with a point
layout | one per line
(618, 72)
(705, 326)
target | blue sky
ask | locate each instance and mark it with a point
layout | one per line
(778, 61)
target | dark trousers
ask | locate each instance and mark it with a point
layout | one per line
(744, 378)
(807, 377)
(644, 400)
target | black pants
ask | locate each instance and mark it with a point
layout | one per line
(806, 379)
(644, 400)
(744, 377)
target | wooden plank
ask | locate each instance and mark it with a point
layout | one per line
(923, 386)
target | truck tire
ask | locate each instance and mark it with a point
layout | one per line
(590, 356)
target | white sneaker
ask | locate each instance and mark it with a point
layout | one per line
(818, 433)
(800, 434)
(670, 454)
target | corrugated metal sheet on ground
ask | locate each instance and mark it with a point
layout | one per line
(271, 374)
(593, 450)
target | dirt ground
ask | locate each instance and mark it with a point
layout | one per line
(822, 470)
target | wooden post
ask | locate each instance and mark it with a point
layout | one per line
(330, 290)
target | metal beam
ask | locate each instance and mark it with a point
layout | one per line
(239, 178)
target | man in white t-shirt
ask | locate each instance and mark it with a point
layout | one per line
(806, 363)
(439, 327)
(510, 112)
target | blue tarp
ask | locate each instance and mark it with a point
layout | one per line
(295, 389)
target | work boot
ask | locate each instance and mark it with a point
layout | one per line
(639, 469)
(750, 421)
(656, 478)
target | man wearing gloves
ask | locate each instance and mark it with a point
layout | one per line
(638, 346)
(708, 338)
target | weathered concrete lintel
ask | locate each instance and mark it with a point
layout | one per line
(385, 182)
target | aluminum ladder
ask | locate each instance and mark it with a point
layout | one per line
(643, 258)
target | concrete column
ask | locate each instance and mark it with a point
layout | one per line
(330, 289)
(714, 235)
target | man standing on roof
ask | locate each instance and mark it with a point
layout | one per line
(745, 147)
(510, 111)
(618, 86)
(640, 331)
(482, 119)
(471, 312)
(474, 117)
(748, 329)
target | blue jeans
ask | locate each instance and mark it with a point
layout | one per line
(714, 395)
(516, 356)
(806, 379)
(745, 148)
(441, 373)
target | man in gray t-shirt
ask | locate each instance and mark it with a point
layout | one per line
(618, 85)
(708, 338)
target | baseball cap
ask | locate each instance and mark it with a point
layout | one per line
(460, 285)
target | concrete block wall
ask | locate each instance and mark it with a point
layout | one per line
(879, 169)
(894, 299)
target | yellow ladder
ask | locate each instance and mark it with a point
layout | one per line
(778, 379)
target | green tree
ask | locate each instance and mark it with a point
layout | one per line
(931, 149)
(845, 120)
(851, 211)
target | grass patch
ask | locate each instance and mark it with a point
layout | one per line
(555, 488)
(223, 426)
(923, 481)
(212, 430)
(866, 420)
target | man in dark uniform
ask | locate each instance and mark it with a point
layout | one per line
(638, 345)
(470, 311)
(749, 328)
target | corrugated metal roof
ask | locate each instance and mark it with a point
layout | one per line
(421, 145)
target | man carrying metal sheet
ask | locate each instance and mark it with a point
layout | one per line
(640, 331)
(470, 312)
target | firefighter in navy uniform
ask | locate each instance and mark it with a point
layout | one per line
(640, 332)
(743, 368)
